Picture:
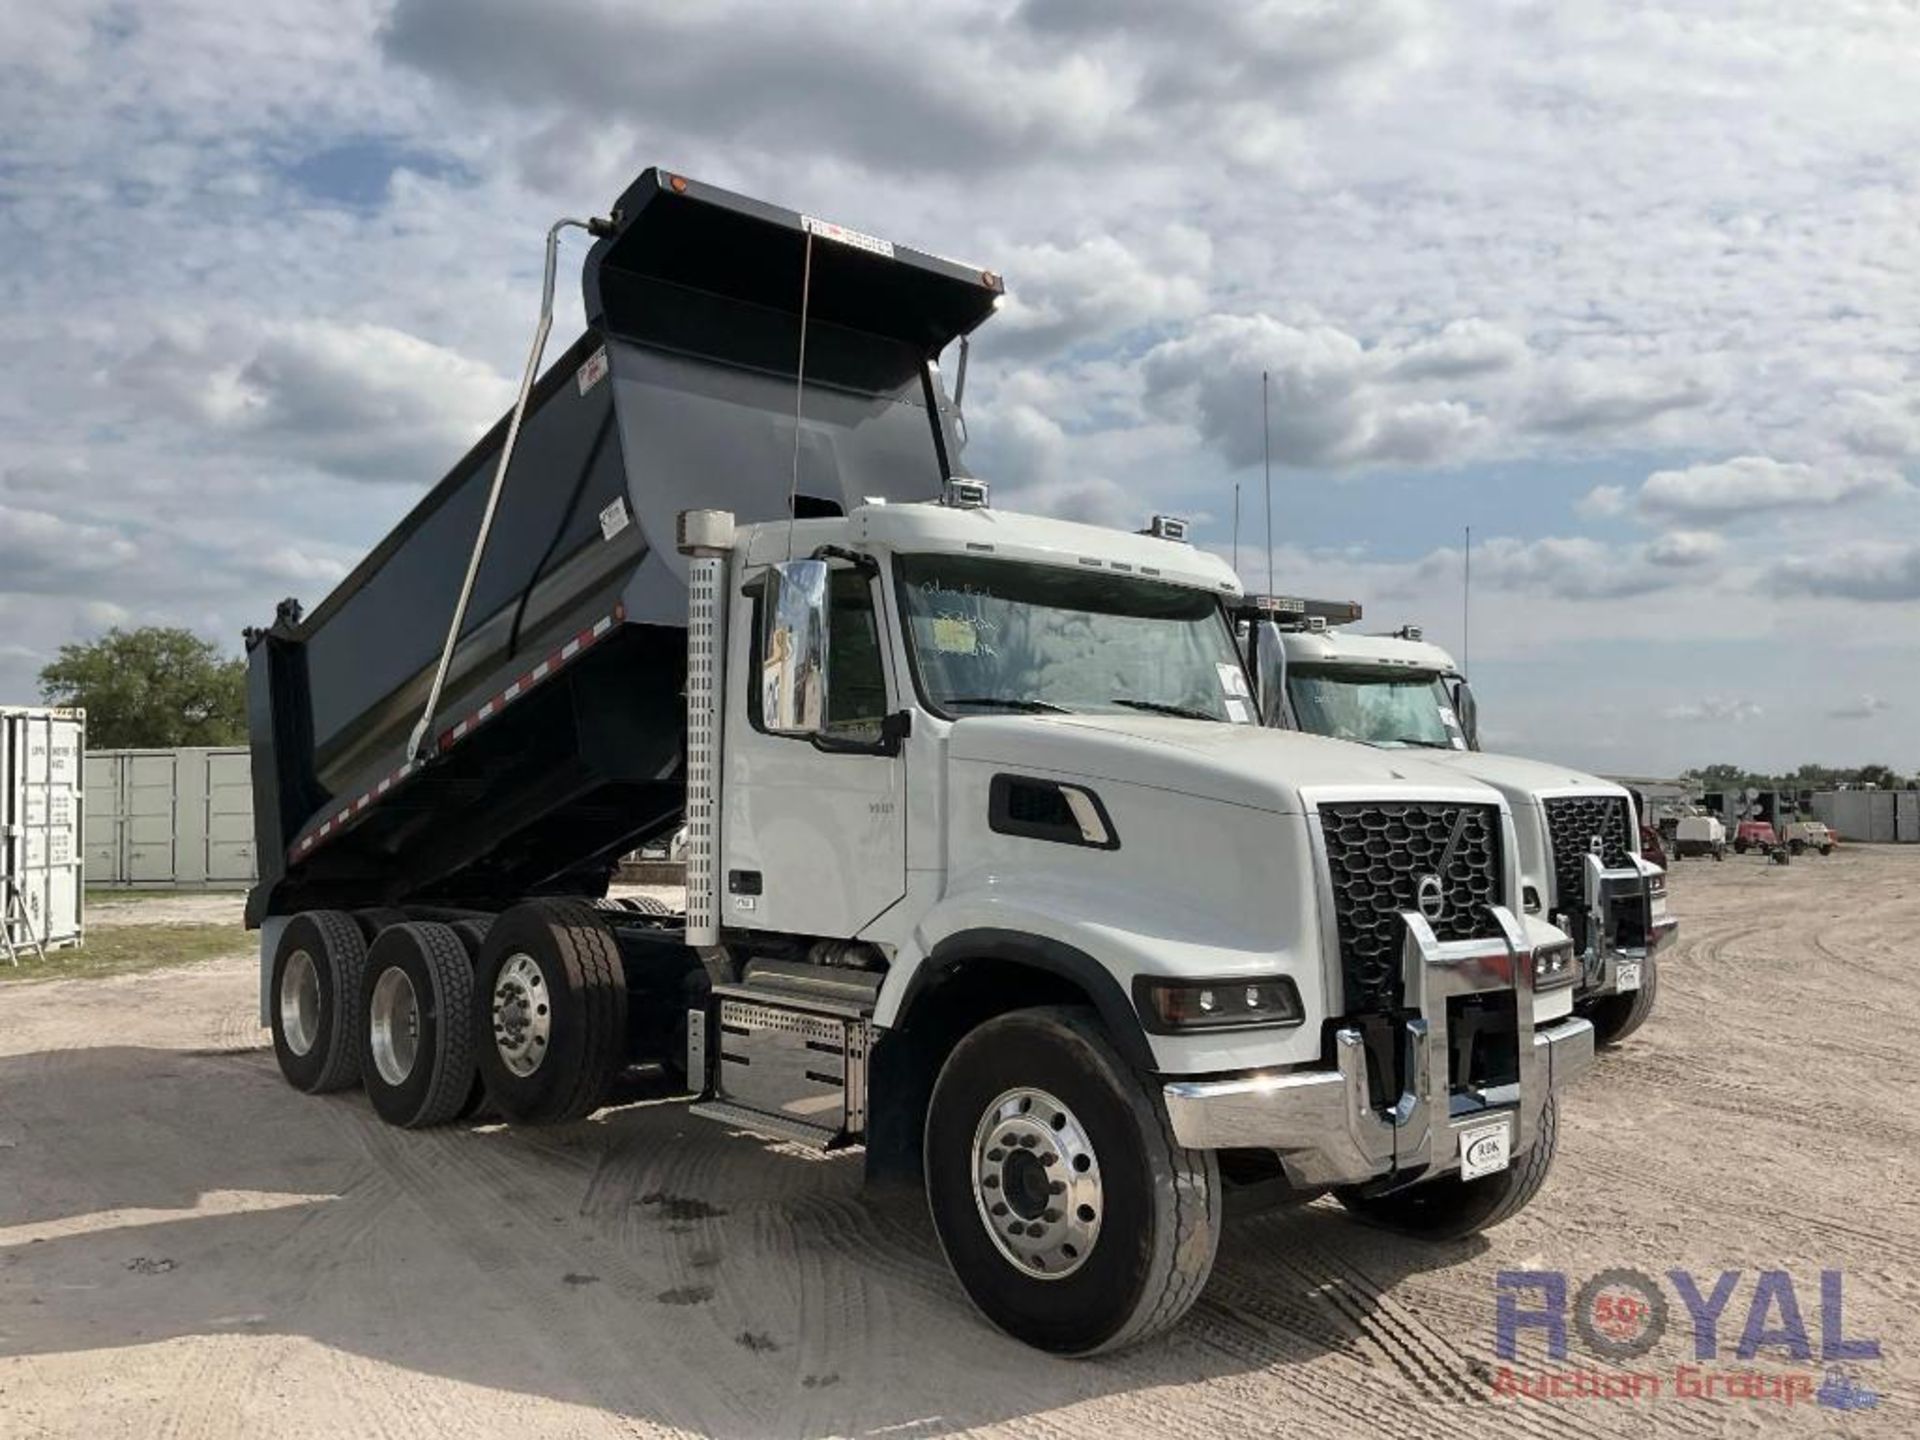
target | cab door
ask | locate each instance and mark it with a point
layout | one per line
(813, 826)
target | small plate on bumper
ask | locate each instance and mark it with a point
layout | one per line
(1626, 976)
(1486, 1149)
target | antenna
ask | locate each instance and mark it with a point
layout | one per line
(1266, 450)
(1466, 607)
(799, 391)
(1236, 528)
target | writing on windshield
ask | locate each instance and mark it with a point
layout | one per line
(1005, 635)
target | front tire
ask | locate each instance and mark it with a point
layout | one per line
(1615, 1017)
(416, 1047)
(1066, 1209)
(550, 1011)
(1452, 1208)
(314, 1001)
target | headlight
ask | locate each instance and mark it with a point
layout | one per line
(1180, 1007)
(1657, 885)
(1554, 965)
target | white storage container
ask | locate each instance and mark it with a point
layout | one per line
(41, 815)
(166, 818)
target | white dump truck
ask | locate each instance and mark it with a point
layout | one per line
(990, 868)
(1579, 838)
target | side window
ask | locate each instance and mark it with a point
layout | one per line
(856, 674)
(856, 669)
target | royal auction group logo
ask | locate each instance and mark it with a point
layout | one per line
(1746, 1341)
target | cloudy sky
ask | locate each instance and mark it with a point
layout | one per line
(1628, 289)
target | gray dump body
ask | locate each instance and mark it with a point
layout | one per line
(559, 740)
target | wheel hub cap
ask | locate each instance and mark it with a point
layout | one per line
(393, 1017)
(522, 1024)
(1037, 1184)
(300, 1002)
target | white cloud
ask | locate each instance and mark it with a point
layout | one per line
(1865, 708)
(1578, 568)
(1584, 398)
(1748, 484)
(1715, 710)
(1874, 570)
(1099, 287)
(1686, 549)
(367, 402)
(1333, 401)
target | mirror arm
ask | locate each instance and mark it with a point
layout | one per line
(865, 564)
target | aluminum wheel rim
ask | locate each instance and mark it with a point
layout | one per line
(1036, 1182)
(393, 1017)
(522, 1018)
(300, 1002)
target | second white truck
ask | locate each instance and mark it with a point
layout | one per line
(1580, 858)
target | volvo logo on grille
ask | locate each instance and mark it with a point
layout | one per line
(1596, 846)
(1431, 896)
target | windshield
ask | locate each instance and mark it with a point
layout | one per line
(999, 635)
(1378, 707)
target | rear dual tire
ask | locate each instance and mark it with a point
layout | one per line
(314, 1000)
(416, 1055)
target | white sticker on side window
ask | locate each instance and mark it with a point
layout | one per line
(1233, 680)
(1239, 712)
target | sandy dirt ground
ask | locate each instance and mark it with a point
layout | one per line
(190, 1248)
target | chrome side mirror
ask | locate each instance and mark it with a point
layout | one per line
(1467, 712)
(793, 649)
(1270, 674)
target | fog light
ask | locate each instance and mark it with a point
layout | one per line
(1170, 1006)
(1553, 965)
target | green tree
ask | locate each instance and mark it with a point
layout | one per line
(154, 687)
(1882, 775)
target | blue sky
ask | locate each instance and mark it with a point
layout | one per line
(1628, 289)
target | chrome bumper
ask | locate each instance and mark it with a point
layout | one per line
(1609, 894)
(1323, 1123)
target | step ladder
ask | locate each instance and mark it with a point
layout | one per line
(13, 907)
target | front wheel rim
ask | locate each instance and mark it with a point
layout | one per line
(393, 1020)
(1037, 1184)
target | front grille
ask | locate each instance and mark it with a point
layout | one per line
(1572, 823)
(1377, 854)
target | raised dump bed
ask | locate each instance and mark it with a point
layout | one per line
(558, 742)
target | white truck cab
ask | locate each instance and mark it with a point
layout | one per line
(1578, 836)
(981, 811)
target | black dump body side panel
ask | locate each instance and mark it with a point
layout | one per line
(680, 395)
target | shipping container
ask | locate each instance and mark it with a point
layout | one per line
(41, 820)
(170, 818)
(1873, 817)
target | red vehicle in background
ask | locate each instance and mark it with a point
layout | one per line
(1754, 834)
